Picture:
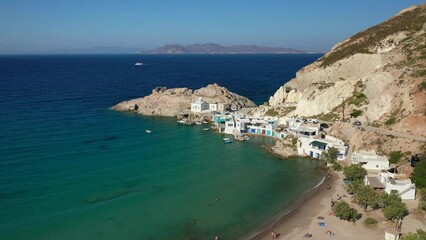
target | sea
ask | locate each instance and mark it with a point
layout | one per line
(72, 169)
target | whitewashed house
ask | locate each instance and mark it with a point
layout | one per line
(199, 105)
(222, 107)
(370, 160)
(313, 147)
(306, 131)
(213, 106)
(391, 182)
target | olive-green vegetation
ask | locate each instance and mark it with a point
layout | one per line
(390, 121)
(419, 175)
(364, 195)
(286, 110)
(393, 207)
(294, 141)
(330, 156)
(370, 221)
(323, 85)
(357, 99)
(421, 73)
(422, 203)
(423, 85)
(395, 156)
(345, 212)
(356, 113)
(271, 112)
(354, 172)
(419, 235)
(410, 21)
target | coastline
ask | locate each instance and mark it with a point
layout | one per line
(303, 218)
(296, 214)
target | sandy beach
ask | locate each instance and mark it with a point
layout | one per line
(304, 219)
(317, 203)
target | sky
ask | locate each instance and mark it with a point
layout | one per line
(43, 26)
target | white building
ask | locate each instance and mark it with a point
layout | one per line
(314, 147)
(222, 107)
(391, 182)
(370, 160)
(199, 105)
(306, 131)
(213, 106)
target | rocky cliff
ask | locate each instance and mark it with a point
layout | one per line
(377, 75)
(169, 102)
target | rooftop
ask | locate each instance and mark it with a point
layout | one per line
(365, 156)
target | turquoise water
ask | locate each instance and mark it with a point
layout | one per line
(72, 169)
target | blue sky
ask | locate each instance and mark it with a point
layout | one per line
(48, 25)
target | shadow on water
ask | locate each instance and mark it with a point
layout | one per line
(103, 139)
(126, 188)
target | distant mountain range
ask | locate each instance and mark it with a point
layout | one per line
(208, 48)
(211, 48)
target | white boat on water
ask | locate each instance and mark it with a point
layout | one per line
(198, 123)
(206, 129)
(148, 131)
(227, 140)
(138, 64)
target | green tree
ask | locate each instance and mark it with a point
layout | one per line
(356, 113)
(395, 156)
(345, 212)
(354, 172)
(370, 221)
(394, 208)
(419, 235)
(422, 203)
(364, 195)
(330, 156)
(419, 175)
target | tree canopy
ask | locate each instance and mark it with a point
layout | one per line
(419, 175)
(394, 208)
(419, 235)
(354, 172)
(344, 211)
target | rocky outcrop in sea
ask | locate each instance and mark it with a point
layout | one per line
(171, 102)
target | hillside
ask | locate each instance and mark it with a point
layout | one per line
(378, 75)
(211, 48)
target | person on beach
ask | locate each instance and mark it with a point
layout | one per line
(274, 235)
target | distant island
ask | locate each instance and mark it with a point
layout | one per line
(207, 48)
(212, 48)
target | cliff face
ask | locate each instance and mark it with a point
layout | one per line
(378, 74)
(169, 102)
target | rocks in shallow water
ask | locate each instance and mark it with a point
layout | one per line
(169, 102)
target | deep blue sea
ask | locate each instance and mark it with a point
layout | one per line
(70, 168)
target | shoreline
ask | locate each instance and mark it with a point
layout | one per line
(291, 218)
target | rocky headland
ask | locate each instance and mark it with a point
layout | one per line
(377, 76)
(171, 102)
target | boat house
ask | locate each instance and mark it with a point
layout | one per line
(199, 105)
